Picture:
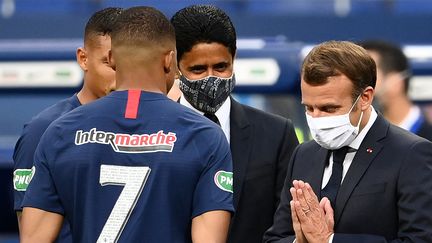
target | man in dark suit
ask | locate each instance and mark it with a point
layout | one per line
(261, 143)
(393, 79)
(373, 178)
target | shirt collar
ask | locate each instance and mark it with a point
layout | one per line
(359, 139)
(413, 116)
(222, 114)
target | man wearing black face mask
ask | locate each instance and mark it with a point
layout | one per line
(261, 143)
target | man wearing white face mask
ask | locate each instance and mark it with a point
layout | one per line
(334, 132)
(361, 179)
(261, 143)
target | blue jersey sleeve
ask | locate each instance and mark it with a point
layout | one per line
(23, 158)
(26, 146)
(214, 190)
(41, 192)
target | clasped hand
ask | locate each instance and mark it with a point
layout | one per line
(313, 220)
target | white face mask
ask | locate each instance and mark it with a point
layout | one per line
(333, 132)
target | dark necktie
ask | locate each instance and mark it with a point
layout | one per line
(331, 189)
(212, 117)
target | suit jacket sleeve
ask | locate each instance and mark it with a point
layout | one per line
(288, 145)
(281, 231)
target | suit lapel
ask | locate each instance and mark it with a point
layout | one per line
(315, 180)
(240, 132)
(368, 150)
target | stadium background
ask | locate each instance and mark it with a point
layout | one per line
(38, 39)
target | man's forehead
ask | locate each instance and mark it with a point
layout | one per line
(322, 100)
(205, 51)
(335, 91)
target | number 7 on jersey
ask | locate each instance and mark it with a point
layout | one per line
(133, 178)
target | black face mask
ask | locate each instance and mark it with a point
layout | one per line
(207, 94)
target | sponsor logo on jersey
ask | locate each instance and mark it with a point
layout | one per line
(22, 178)
(127, 143)
(224, 180)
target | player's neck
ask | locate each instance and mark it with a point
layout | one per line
(85, 96)
(142, 80)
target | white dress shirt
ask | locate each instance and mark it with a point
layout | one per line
(354, 145)
(223, 114)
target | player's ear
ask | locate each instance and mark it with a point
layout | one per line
(169, 62)
(111, 60)
(175, 66)
(81, 56)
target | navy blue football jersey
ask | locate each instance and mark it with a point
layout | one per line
(28, 141)
(25, 150)
(133, 166)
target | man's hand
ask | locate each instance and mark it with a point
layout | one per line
(314, 219)
(328, 211)
(300, 238)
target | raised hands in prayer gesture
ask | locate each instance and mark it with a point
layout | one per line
(313, 220)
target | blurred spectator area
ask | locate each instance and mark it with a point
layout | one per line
(297, 20)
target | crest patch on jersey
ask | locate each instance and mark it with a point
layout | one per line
(224, 180)
(126, 143)
(22, 178)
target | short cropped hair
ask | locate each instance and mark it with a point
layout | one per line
(141, 25)
(203, 24)
(391, 58)
(101, 23)
(334, 58)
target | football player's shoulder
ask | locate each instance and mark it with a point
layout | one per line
(190, 116)
(73, 118)
(197, 125)
(42, 120)
(82, 113)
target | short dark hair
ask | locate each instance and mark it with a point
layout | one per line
(101, 23)
(334, 58)
(391, 58)
(203, 24)
(141, 25)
